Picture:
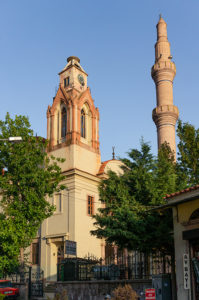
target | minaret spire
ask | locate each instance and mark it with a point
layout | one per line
(163, 72)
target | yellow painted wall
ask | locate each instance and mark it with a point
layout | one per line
(78, 157)
(185, 210)
(83, 222)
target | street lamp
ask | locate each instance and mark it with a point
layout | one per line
(13, 139)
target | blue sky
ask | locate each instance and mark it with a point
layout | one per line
(114, 40)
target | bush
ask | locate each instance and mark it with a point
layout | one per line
(61, 294)
(124, 293)
(2, 296)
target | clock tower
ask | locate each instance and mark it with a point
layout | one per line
(72, 131)
(73, 134)
(73, 75)
(72, 120)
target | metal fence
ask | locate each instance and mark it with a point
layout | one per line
(134, 265)
(34, 278)
(17, 277)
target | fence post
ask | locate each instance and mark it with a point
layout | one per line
(100, 268)
(58, 274)
(42, 272)
(29, 283)
(164, 264)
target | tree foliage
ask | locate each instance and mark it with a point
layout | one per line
(188, 153)
(127, 218)
(29, 176)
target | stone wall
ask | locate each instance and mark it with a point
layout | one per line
(23, 290)
(95, 290)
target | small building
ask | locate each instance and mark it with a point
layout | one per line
(185, 207)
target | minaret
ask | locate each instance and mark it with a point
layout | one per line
(163, 72)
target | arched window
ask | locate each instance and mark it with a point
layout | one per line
(195, 215)
(83, 124)
(63, 122)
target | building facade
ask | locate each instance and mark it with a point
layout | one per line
(185, 207)
(73, 134)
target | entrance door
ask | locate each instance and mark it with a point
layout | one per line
(60, 252)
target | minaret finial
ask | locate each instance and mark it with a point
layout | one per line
(160, 16)
(113, 154)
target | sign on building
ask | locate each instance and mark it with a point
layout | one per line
(71, 248)
(150, 294)
(186, 269)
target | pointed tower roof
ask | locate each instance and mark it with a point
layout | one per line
(161, 30)
(161, 20)
(73, 61)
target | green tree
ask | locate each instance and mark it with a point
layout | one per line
(164, 175)
(188, 153)
(9, 245)
(29, 176)
(126, 219)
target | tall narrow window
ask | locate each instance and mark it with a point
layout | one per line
(63, 122)
(58, 203)
(195, 215)
(66, 81)
(58, 137)
(90, 205)
(83, 124)
(35, 253)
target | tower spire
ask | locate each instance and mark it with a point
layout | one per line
(163, 72)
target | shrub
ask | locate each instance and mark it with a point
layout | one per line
(124, 293)
(61, 294)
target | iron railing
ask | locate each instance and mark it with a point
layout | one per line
(134, 265)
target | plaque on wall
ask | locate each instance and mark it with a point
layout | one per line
(70, 248)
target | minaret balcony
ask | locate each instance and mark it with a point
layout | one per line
(163, 70)
(162, 113)
(163, 64)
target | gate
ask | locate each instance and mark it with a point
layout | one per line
(34, 278)
(36, 283)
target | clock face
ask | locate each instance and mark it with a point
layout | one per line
(81, 79)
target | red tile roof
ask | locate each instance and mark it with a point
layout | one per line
(182, 191)
(103, 166)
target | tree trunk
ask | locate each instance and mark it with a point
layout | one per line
(21, 268)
